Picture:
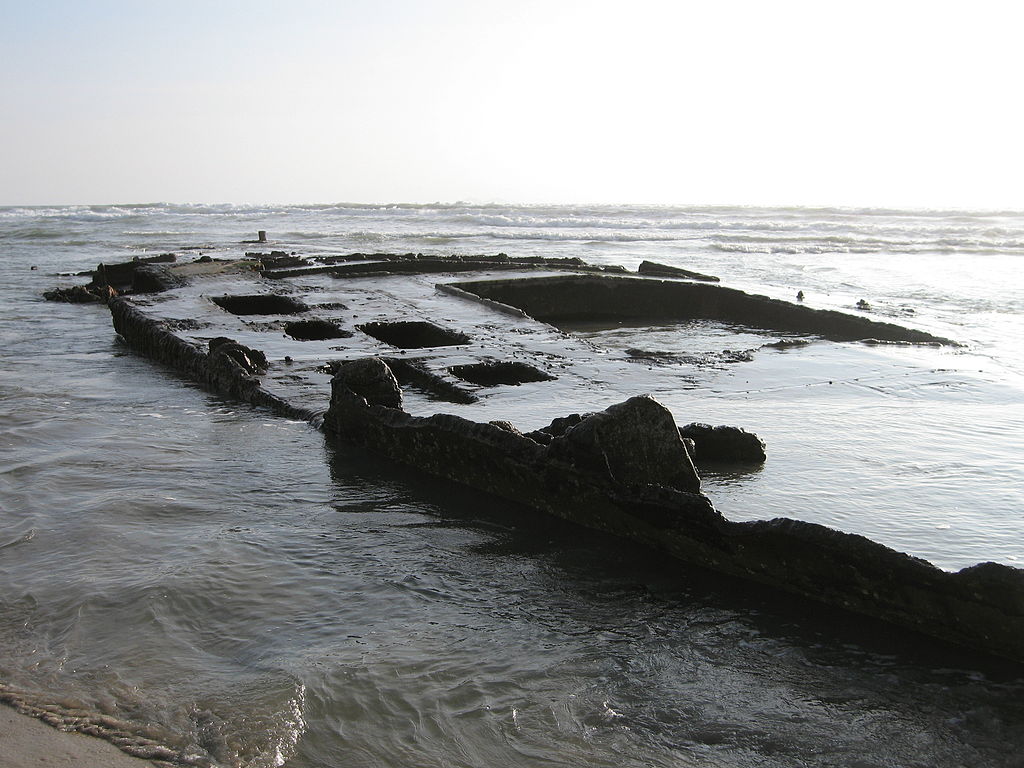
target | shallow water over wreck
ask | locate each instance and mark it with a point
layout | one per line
(234, 586)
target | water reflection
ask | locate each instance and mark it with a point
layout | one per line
(717, 473)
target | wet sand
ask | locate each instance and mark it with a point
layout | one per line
(26, 742)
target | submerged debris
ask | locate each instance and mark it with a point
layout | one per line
(725, 356)
(724, 443)
(568, 298)
(663, 270)
(627, 471)
(315, 330)
(80, 294)
(491, 374)
(788, 343)
(261, 304)
(371, 379)
(251, 361)
(413, 334)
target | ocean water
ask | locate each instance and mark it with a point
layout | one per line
(231, 585)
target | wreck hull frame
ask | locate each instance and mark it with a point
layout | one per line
(981, 607)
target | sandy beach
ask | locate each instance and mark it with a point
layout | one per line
(26, 742)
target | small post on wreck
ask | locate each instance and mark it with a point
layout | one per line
(262, 235)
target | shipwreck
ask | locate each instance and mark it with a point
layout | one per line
(402, 355)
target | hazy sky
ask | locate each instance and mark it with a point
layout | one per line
(842, 103)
